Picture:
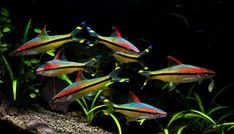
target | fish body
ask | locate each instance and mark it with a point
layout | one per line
(115, 43)
(43, 42)
(84, 87)
(58, 67)
(182, 73)
(118, 44)
(136, 110)
(129, 58)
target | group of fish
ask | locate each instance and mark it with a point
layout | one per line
(123, 52)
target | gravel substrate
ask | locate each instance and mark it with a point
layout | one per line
(38, 120)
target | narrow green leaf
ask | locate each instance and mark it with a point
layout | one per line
(27, 30)
(181, 129)
(231, 127)
(216, 109)
(204, 116)
(176, 116)
(66, 78)
(198, 99)
(82, 106)
(96, 96)
(8, 68)
(1, 81)
(166, 131)
(225, 124)
(116, 122)
(221, 118)
(85, 104)
(220, 91)
(14, 85)
(95, 108)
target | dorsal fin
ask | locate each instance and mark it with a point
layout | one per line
(80, 76)
(59, 54)
(134, 97)
(43, 32)
(173, 60)
(115, 32)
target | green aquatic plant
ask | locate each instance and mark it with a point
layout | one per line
(202, 119)
(92, 110)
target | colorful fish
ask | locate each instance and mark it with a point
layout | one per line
(57, 67)
(135, 110)
(43, 42)
(115, 42)
(180, 73)
(84, 87)
(128, 58)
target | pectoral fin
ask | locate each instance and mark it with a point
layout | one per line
(211, 85)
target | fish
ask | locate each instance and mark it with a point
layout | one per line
(44, 42)
(84, 87)
(57, 67)
(115, 42)
(179, 73)
(135, 110)
(123, 57)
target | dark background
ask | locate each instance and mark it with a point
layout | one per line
(197, 32)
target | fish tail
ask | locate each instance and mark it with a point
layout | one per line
(109, 105)
(90, 64)
(114, 76)
(146, 74)
(93, 36)
(76, 33)
(146, 51)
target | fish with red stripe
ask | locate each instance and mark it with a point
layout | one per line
(115, 42)
(179, 73)
(123, 57)
(57, 67)
(84, 87)
(136, 110)
(44, 42)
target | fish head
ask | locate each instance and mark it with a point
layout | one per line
(46, 68)
(208, 74)
(158, 113)
(61, 99)
(130, 48)
(26, 49)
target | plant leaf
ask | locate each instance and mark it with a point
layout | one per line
(181, 129)
(116, 122)
(204, 116)
(14, 85)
